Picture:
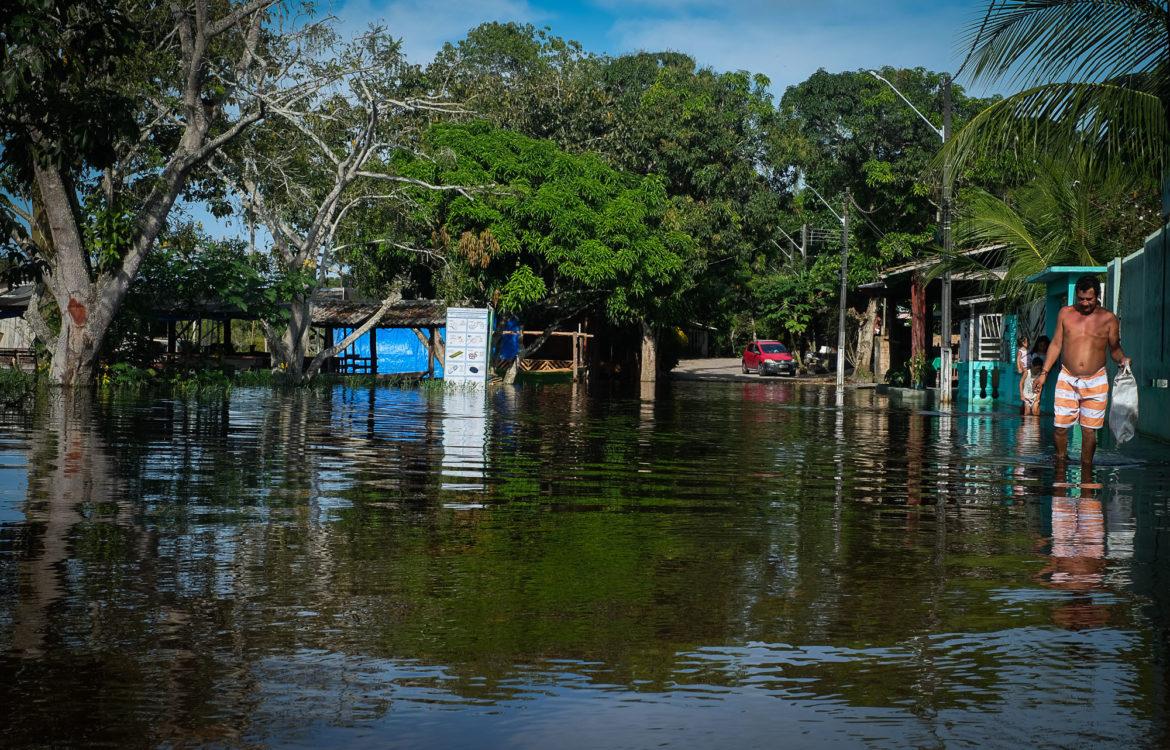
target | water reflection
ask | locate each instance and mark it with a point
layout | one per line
(465, 419)
(709, 565)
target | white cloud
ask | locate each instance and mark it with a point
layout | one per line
(424, 25)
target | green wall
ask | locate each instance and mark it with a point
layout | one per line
(1137, 288)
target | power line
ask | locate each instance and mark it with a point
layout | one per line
(865, 215)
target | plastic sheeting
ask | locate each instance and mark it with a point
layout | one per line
(509, 346)
(399, 350)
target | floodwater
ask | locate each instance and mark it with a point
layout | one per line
(718, 565)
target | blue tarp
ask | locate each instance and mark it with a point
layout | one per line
(509, 344)
(399, 350)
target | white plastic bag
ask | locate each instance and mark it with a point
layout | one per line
(1123, 413)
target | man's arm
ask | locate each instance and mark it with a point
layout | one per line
(1115, 343)
(1053, 350)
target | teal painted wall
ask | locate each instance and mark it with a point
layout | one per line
(1142, 306)
(991, 382)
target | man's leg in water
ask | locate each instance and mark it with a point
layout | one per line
(1088, 447)
(1060, 437)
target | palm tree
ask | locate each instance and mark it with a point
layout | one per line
(1074, 212)
(1093, 71)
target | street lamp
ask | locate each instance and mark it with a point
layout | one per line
(844, 219)
(944, 134)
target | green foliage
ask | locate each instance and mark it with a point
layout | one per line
(108, 233)
(1093, 75)
(850, 130)
(1075, 212)
(557, 230)
(708, 135)
(15, 385)
(916, 366)
(61, 67)
(897, 377)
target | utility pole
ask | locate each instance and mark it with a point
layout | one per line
(844, 278)
(945, 222)
(948, 248)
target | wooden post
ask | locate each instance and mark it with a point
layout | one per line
(227, 335)
(576, 338)
(172, 337)
(374, 350)
(431, 352)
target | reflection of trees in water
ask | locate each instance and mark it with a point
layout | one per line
(110, 604)
(69, 480)
(283, 526)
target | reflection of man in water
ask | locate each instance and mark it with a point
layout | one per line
(1083, 333)
(1078, 559)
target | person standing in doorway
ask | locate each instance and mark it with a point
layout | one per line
(1084, 332)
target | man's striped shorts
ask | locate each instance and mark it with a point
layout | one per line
(1081, 397)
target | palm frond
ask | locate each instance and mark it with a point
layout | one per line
(1027, 42)
(988, 220)
(1118, 126)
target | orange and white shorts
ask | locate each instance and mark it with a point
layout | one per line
(1083, 398)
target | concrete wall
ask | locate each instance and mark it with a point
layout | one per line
(1138, 289)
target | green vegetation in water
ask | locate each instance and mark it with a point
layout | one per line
(122, 376)
(15, 385)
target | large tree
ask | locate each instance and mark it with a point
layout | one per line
(109, 109)
(553, 234)
(318, 159)
(707, 134)
(851, 131)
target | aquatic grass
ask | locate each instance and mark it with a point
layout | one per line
(15, 385)
(126, 378)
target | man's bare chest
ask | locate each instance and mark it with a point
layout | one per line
(1082, 327)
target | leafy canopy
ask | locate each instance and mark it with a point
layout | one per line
(551, 230)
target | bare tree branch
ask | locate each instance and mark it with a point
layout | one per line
(463, 190)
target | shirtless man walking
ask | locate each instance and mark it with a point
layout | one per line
(1084, 332)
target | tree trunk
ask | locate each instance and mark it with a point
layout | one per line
(512, 371)
(917, 315)
(288, 344)
(865, 341)
(649, 362)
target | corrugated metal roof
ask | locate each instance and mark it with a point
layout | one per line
(16, 297)
(414, 313)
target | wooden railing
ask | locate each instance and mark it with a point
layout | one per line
(546, 365)
(22, 359)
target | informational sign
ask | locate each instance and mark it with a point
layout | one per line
(468, 338)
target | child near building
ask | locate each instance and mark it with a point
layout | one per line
(1028, 394)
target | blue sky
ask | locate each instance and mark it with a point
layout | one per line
(787, 40)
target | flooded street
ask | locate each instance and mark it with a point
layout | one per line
(720, 565)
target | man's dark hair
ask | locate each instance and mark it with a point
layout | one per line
(1087, 282)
